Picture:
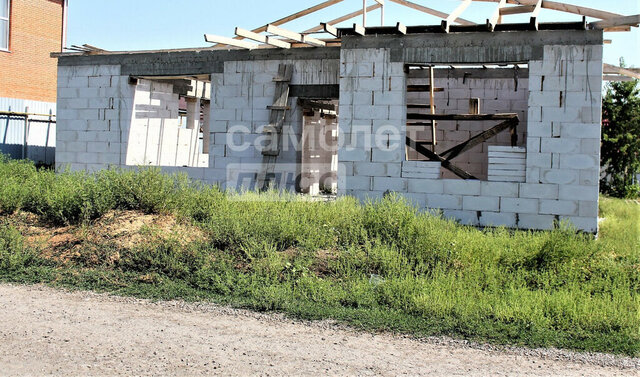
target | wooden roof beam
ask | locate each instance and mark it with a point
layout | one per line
(629, 72)
(506, 11)
(266, 39)
(229, 41)
(534, 15)
(359, 29)
(617, 22)
(294, 16)
(431, 11)
(454, 15)
(496, 18)
(562, 7)
(338, 20)
(402, 29)
(272, 29)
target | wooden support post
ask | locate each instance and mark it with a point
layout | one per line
(26, 133)
(454, 15)
(432, 107)
(381, 2)
(496, 18)
(364, 13)
(534, 15)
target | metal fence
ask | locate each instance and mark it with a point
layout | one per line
(28, 130)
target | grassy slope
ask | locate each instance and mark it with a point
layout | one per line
(378, 266)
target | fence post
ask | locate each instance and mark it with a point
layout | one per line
(26, 133)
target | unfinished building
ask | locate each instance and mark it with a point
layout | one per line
(494, 124)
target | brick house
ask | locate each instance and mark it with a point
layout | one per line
(30, 30)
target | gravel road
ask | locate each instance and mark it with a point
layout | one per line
(51, 332)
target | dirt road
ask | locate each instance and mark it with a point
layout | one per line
(50, 332)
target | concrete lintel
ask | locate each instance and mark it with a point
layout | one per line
(471, 73)
(193, 62)
(480, 47)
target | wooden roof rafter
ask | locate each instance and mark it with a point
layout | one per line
(431, 11)
(496, 18)
(292, 17)
(338, 20)
(298, 37)
(454, 15)
(606, 21)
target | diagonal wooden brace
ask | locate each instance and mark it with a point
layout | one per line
(454, 152)
(435, 157)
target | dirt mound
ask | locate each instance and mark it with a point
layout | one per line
(116, 230)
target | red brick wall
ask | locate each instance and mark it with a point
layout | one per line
(28, 71)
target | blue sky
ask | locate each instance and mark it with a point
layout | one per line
(159, 24)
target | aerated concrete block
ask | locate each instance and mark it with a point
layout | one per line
(444, 201)
(480, 203)
(539, 222)
(463, 217)
(519, 205)
(498, 219)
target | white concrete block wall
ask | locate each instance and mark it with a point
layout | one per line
(96, 105)
(239, 100)
(372, 115)
(156, 137)
(553, 177)
(564, 171)
(496, 95)
(92, 100)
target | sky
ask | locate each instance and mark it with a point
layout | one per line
(119, 25)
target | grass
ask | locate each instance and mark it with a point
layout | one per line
(378, 266)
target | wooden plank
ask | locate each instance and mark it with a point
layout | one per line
(359, 29)
(608, 68)
(617, 29)
(338, 20)
(507, 11)
(422, 88)
(462, 117)
(454, 152)
(454, 15)
(262, 38)
(272, 29)
(330, 29)
(534, 15)
(434, 157)
(431, 11)
(616, 22)
(297, 15)
(562, 7)
(402, 29)
(229, 41)
(315, 105)
(616, 78)
(496, 18)
(432, 107)
(293, 17)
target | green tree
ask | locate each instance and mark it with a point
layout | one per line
(621, 139)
